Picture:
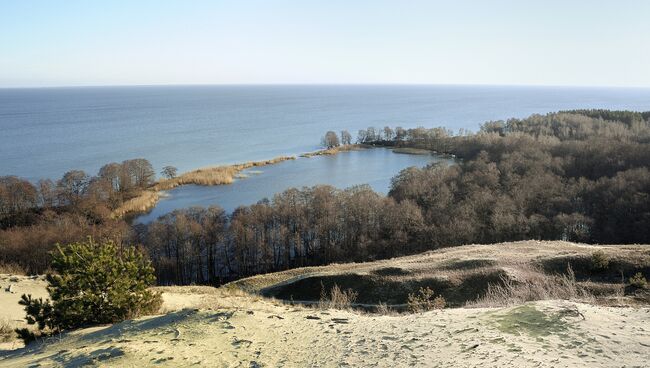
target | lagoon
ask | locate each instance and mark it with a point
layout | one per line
(374, 167)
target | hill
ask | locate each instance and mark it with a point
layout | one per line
(604, 323)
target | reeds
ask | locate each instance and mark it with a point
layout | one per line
(218, 175)
(334, 150)
(146, 200)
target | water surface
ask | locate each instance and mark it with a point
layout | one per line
(375, 167)
(45, 132)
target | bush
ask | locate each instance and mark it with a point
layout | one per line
(6, 331)
(337, 298)
(384, 309)
(424, 301)
(95, 283)
(639, 281)
(599, 260)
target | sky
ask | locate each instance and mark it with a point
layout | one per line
(143, 42)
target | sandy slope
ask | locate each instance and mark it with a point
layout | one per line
(226, 327)
(242, 331)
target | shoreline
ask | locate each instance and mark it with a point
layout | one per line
(217, 175)
(209, 176)
(336, 150)
(227, 174)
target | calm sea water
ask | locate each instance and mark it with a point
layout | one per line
(45, 132)
(375, 167)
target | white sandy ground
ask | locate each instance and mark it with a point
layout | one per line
(216, 328)
(12, 313)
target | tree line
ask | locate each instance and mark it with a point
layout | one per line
(573, 175)
(36, 216)
(296, 228)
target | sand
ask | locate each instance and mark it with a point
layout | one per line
(224, 330)
(227, 327)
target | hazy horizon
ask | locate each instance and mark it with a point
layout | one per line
(329, 84)
(503, 43)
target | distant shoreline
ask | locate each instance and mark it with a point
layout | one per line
(336, 150)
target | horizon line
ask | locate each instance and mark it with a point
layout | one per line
(324, 84)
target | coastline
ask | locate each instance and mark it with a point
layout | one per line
(227, 174)
(336, 150)
(218, 175)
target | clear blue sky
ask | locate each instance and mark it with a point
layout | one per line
(569, 42)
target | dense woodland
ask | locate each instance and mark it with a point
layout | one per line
(577, 175)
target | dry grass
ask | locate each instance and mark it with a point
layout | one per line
(218, 175)
(335, 150)
(475, 275)
(533, 285)
(215, 175)
(7, 332)
(142, 203)
(11, 269)
(337, 298)
(412, 151)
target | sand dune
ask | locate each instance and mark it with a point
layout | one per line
(226, 327)
(258, 333)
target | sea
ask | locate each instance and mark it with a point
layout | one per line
(45, 132)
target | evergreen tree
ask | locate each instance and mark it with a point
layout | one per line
(94, 283)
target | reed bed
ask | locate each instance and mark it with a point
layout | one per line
(146, 200)
(218, 175)
(335, 150)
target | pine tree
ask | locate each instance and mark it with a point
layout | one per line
(94, 283)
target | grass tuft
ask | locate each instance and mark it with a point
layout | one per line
(337, 298)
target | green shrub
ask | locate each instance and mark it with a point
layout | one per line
(424, 301)
(599, 260)
(639, 281)
(94, 283)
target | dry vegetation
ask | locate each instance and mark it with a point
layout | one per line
(226, 326)
(335, 150)
(142, 203)
(6, 330)
(474, 275)
(412, 151)
(218, 175)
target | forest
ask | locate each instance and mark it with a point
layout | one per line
(578, 175)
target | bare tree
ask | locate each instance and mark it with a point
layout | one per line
(73, 186)
(169, 172)
(400, 134)
(346, 137)
(330, 140)
(16, 196)
(111, 174)
(388, 133)
(140, 171)
(46, 193)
